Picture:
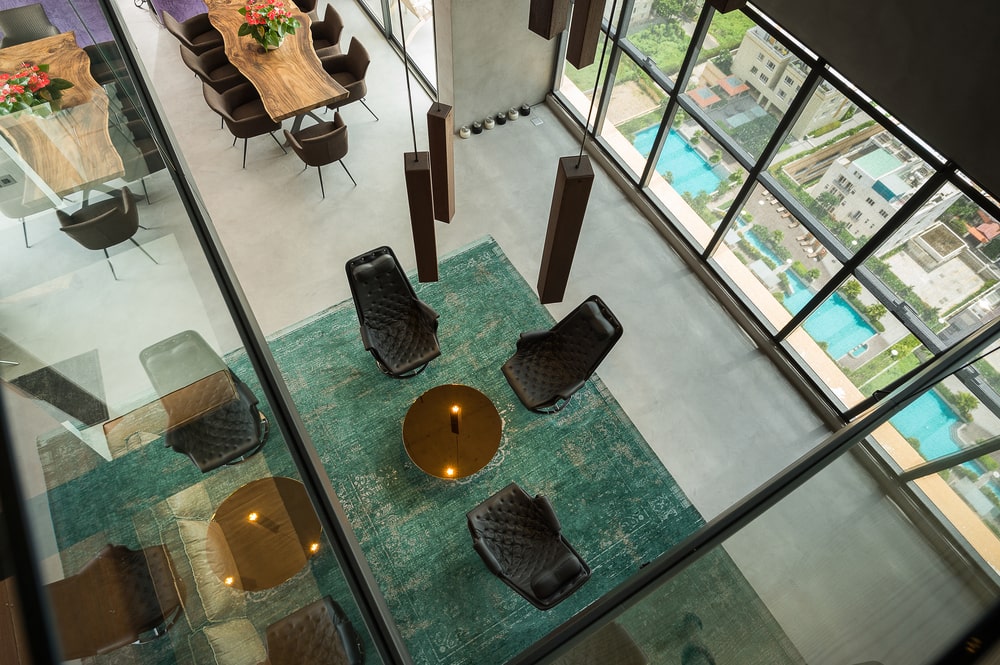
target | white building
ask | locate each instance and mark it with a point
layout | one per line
(775, 75)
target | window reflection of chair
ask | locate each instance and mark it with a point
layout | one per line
(25, 24)
(549, 366)
(326, 33)
(321, 144)
(119, 597)
(397, 328)
(12, 205)
(106, 63)
(224, 435)
(104, 224)
(196, 33)
(139, 153)
(317, 633)
(520, 540)
(349, 69)
(243, 112)
(611, 645)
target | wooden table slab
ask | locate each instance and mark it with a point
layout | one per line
(69, 150)
(290, 79)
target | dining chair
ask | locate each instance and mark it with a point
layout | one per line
(309, 7)
(326, 33)
(243, 112)
(196, 33)
(104, 224)
(25, 24)
(140, 154)
(349, 69)
(106, 62)
(321, 144)
(213, 67)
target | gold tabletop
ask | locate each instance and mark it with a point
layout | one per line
(452, 431)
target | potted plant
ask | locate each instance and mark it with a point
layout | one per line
(28, 87)
(267, 22)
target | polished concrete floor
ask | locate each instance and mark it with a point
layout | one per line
(840, 568)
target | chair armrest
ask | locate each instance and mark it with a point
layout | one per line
(531, 336)
(486, 554)
(200, 22)
(549, 515)
(336, 63)
(292, 141)
(427, 309)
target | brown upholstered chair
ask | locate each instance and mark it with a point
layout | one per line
(349, 69)
(309, 7)
(106, 62)
(196, 33)
(104, 224)
(326, 33)
(25, 24)
(213, 67)
(119, 597)
(140, 154)
(520, 540)
(243, 112)
(321, 144)
(318, 633)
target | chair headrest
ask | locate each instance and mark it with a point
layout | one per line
(371, 269)
(601, 326)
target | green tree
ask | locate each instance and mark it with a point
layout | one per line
(676, 10)
(965, 403)
(724, 61)
(813, 274)
(852, 289)
(828, 200)
(876, 311)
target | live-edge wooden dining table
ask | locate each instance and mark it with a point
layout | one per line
(69, 150)
(291, 80)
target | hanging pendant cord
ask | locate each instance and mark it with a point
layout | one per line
(406, 70)
(593, 97)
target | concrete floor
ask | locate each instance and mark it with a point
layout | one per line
(840, 568)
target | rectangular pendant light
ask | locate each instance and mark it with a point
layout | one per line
(584, 32)
(440, 136)
(574, 180)
(417, 168)
(547, 18)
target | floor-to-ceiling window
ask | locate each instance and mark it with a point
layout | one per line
(858, 249)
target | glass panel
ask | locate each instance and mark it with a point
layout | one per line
(854, 345)
(877, 589)
(774, 249)
(577, 85)
(418, 29)
(129, 396)
(634, 115)
(375, 6)
(978, 483)
(662, 31)
(852, 182)
(941, 264)
(738, 80)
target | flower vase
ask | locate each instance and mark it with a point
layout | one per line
(272, 47)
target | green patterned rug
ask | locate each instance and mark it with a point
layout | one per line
(618, 505)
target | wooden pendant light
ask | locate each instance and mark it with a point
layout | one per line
(440, 137)
(574, 180)
(417, 169)
(584, 32)
(547, 18)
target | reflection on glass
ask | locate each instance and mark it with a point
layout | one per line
(941, 264)
(729, 86)
(662, 31)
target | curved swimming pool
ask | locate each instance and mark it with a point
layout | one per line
(691, 173)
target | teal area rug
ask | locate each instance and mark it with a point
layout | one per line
(618, 505)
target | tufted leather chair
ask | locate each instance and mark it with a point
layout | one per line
(549, 366)
(317, 633)
(227, 434)
(520, 541)
(119, 597)
(397, 328)
(25, 24)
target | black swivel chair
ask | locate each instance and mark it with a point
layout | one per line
(104, 224)
(549, 366)
(399, 329)
(224, 435)
(317, 633)
(520, 540)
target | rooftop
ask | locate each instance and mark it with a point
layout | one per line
(877, 163)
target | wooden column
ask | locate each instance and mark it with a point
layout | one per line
(417, 168)
(441, 135)
(547, 18)
(584, 32)
(569, 205)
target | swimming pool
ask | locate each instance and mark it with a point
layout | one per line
(929, 420)
(691, 173)
(834, 322)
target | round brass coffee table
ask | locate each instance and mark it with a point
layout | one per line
(452, 431)
(263, 534)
